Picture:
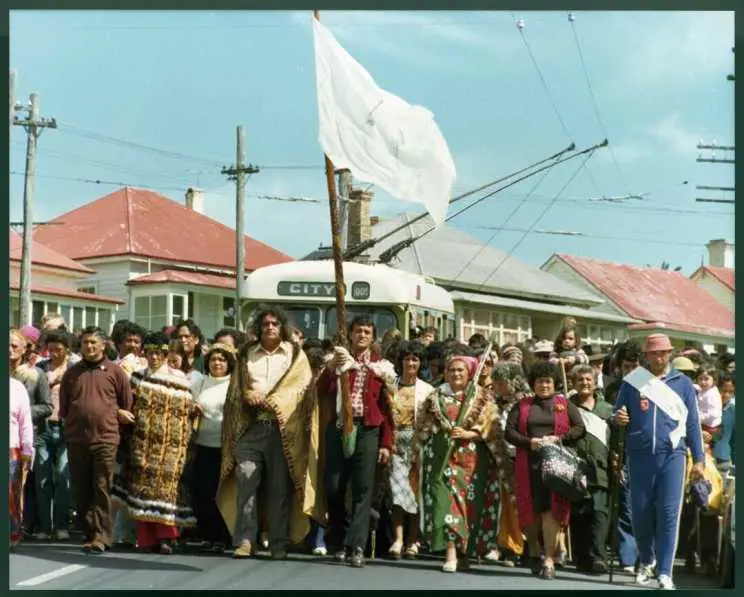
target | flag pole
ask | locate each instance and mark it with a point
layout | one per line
(338, 267)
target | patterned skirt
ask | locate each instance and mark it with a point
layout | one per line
(400, 473)
(15, 494)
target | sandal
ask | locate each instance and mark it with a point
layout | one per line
(395, 550)
(411, 551)
(547, 573)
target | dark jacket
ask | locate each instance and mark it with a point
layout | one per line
(592, 449)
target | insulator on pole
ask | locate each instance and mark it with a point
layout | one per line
(571, 17)
(520, 24)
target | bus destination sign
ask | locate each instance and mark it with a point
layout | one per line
(360, 291)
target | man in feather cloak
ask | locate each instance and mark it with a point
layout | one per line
(270, 421)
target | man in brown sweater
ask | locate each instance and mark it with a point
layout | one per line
(94, 399)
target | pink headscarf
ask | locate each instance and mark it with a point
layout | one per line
(470, 362)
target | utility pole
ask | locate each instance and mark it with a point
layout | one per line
(344, 192)
(34, 127)
(237, 173)
(12, 96)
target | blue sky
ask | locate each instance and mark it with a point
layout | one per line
(182, 81)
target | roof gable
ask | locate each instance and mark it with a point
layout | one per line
(43, 255)
(725, 275)
(654, 295)
(139, 222)
(443, 253)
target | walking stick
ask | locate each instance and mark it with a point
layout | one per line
(614, 505)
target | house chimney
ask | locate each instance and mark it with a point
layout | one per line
(721, 253)
(195, 199)
(359, 229)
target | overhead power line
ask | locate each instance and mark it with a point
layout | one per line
(595, 104)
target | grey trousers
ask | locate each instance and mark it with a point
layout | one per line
(259, 448)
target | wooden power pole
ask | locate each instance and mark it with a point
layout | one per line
(344, 193)
(34, 126)
(238, 174)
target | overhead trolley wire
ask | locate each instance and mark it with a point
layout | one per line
(539, 217)
(595, 104)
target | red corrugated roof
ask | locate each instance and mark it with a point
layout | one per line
(42, 255)
(656, 296)
(83, 296)
(139, 222)
(724, 274)
(184, 277)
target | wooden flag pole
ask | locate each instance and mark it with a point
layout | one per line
(338, 266)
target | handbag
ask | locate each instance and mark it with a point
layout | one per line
(563, 471)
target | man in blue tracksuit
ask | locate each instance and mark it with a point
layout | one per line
(661, 426)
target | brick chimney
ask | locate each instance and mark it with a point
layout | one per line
(195, 199)
(721, 253)
(359, 229)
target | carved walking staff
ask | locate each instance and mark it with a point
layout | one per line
(338, 266)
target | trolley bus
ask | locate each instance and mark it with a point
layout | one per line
(306, 290)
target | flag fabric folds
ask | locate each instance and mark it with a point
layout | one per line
(380, 137)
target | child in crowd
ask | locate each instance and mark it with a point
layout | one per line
(709, 403)
(723, 441)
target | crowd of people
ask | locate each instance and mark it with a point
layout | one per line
(268, 441)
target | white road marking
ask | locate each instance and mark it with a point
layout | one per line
(42, 578)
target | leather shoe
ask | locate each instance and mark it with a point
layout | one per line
(279, 555)
(340, 555)
(357, 558)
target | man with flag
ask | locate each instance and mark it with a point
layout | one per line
(659, 407)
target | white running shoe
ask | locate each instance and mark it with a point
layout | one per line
(320, 551)
(628, 569)
(644, 575)
(665, 583)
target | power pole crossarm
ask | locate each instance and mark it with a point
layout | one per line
(238, 174)
(34, 127)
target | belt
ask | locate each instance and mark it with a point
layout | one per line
(267, 422)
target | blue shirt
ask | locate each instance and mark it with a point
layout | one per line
(723, 448)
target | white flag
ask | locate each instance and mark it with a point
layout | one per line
(381, 138)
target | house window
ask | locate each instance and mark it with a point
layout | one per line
(601, 335)
(77, 319)
(151, 312)
(507, 327)
(179, 311)
(15, 311)
(65, 311)
(228, 311)
(37, 312)
(191, 305)
(90, 316)
(52, 307)
(104, 319)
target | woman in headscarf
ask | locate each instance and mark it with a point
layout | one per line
(463, 452)
(409, 393)
(546, 417)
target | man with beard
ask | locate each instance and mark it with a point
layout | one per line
(269, 428)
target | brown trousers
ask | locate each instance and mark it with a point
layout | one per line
(91, 476)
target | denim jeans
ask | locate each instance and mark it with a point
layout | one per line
(52, 480)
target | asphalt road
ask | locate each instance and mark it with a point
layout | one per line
(50, 566)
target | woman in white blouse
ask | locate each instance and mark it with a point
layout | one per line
(210, 395)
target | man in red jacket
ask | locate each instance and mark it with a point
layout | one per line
(373, 421)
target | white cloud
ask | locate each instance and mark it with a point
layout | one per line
(678, 48)
(673, 133)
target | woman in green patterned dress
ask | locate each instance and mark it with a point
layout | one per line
(461, 505)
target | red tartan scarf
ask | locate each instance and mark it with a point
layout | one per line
(561, 507)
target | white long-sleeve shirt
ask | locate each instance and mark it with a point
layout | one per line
(710, 407)
(212, 400)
